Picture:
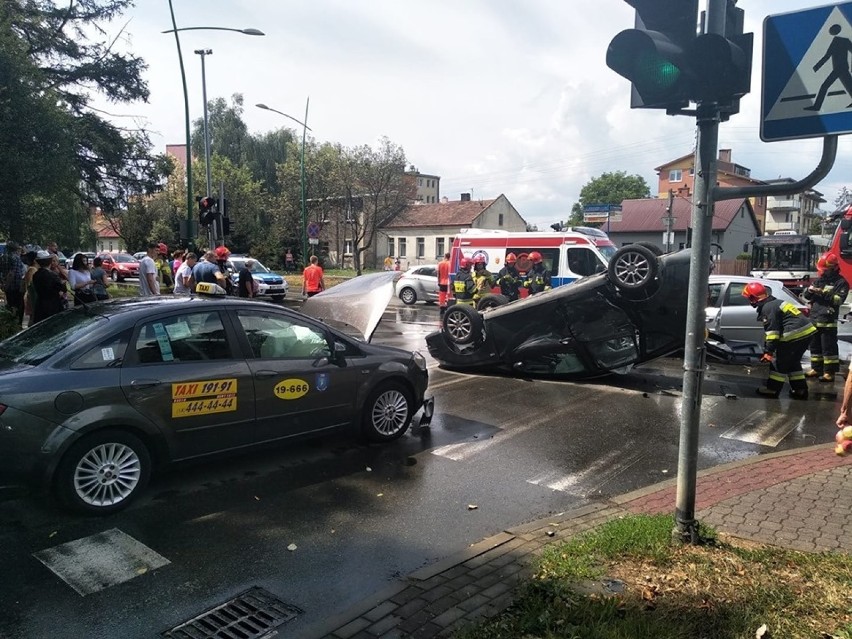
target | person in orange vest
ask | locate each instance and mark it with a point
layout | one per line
(443, 282)
(312, 278)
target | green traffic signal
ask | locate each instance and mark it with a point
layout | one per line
(654, 65)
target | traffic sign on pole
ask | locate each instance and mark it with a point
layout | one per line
(807, 83)
(313, 230)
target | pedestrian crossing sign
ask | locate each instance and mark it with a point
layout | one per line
(807, 81)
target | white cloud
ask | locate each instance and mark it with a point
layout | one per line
(496, 96)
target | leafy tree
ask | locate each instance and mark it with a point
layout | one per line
(54, 146)
(609, 188)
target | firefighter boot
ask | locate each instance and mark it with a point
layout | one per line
(765, 391)
(798, 386)
(827, 377)
(813, 373)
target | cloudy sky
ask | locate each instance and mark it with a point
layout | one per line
(494, 96)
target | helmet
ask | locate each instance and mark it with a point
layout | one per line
(480, 259)
(162, 249)
(222, 252)
(755, 292)
(535, 257)
(464, 263)
(827, 261)
(511, 259)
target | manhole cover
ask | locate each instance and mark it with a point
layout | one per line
(249, 615)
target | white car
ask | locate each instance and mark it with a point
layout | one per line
(419, 283)
(268, 283)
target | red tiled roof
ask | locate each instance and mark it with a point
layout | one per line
(647, 215)
(457, 213)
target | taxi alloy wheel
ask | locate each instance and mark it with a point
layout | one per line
(387, 413)
(103, 472)
(462, 324)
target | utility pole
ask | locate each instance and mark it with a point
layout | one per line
(669, 220)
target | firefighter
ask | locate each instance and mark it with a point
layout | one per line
(826, 295)
(788, 334)
(509, 280)
(482, 277)
(463, 286)
(538, 277)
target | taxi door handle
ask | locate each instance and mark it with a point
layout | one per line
(145, 383)
(265, 374)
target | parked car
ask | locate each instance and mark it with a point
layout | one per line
(120, 265)
(418, 284)
(96, 398)
(269, 283)
(69, 262)
(607, 322)
(138, 255)
(730, 315)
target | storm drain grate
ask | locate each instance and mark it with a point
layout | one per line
(249, 615)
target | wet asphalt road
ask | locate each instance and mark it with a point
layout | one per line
(362, 515)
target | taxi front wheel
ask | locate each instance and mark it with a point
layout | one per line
(387, 412)
(103, 472)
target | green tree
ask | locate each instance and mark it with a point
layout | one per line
(609, 188)
(54, 146)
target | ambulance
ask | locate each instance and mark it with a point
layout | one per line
(569, 255)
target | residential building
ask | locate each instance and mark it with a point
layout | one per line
(422, 233)
(797, 212)
(734, 225)
(427, 188)
(679, 176)
(178, 152)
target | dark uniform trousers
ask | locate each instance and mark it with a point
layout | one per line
(788, 365)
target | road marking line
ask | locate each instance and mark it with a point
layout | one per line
(464, 450)
(764, 428)
(99, 561)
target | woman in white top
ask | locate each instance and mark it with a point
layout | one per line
(80, 279)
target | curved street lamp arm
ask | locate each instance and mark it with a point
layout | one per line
(299, 122)
(250, 31)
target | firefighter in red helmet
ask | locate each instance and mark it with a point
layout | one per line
(463, 285)
(787, 336)
(509, 279)
(482, 277)
(825, 295)
(538, 277)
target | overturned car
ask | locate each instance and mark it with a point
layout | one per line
(607, 322)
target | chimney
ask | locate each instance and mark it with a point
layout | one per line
(725, 155)
(465, 197)
(445, 199)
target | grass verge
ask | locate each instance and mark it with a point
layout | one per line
(626, 579)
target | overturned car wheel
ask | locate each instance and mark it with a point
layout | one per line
(491, 301)
(461, 323)
(633, 267)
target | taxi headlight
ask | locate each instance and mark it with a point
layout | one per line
(419, 360)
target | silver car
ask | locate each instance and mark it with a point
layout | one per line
(730, 315)
(418, 284)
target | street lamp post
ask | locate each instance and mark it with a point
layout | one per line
(190, 218)
(305, 129)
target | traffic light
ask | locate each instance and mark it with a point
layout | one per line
(653, 55)
(671, 65)
(206, 210)
(226, 225)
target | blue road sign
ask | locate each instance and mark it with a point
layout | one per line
(807, 83)
(313, 230)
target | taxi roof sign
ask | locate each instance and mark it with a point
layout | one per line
(207, 288)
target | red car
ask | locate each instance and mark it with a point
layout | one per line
(120, 265)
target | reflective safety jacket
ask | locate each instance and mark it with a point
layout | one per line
(782, 322)
(463, 286)
(538, 279)
(509, 281)
(826, 295)
(484, 281)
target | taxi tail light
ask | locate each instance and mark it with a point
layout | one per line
(3, 407)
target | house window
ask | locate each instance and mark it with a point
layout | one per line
(390, 246)
(439, 248)
(419, 181)
(675, 175)
(500, 220)
(692, 170)
(348, 247)
(402, 248)
(110, 245)
(421, 248)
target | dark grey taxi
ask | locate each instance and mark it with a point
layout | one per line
(94, 399)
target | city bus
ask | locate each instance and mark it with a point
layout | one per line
(788, 257)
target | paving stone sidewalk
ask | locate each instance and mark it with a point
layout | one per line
(797, 499)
